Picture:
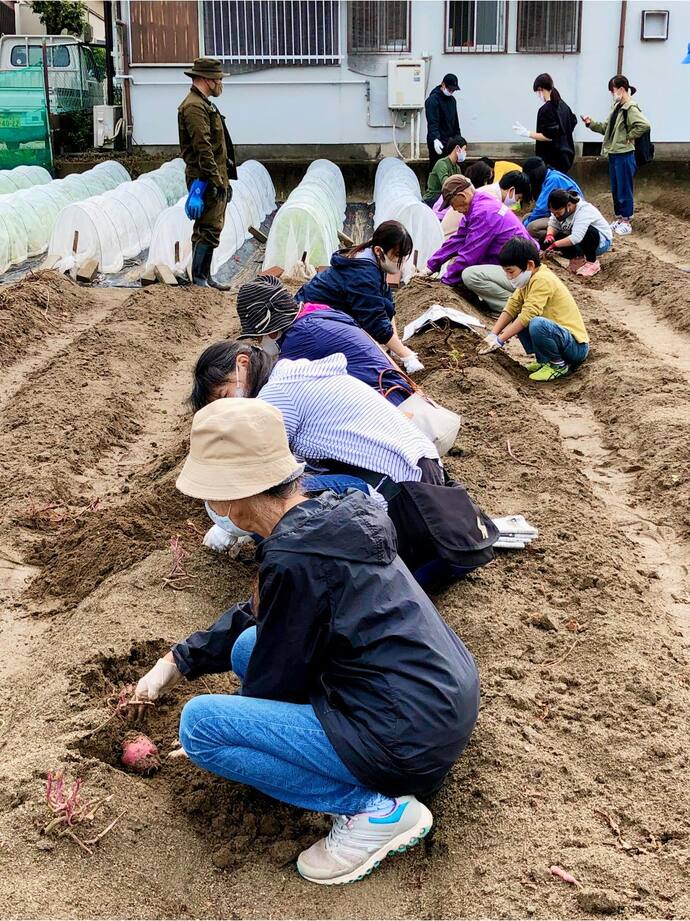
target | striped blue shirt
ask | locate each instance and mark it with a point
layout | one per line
(331, 416)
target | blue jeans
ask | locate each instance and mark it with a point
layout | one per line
(552, 343)
(279, 748)
(622, 169)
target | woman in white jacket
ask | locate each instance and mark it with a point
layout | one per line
(578, 230)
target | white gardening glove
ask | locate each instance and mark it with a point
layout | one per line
(425, 272)
(411, 363)
(218, 539)
(438, 147)
(163, 677)
(521, 130)
(490, 344)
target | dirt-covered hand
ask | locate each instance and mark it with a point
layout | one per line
(161, 678)
(489, 344)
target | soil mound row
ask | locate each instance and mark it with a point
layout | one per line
(91, 398)
(36, 307)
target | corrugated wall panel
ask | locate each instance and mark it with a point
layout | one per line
(164, 33)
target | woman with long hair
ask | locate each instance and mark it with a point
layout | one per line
(356, 283)
(555, 125)
(621, 129)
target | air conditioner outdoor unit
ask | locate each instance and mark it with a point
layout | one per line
(107, 121)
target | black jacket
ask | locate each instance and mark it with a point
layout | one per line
(358, 287)
(441, 117)
(557, 122)
(343, 625)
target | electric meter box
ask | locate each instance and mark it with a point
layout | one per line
(406, 84)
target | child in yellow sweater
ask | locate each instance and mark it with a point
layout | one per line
(541, 313)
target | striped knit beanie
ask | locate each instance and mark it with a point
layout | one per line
(264, 306)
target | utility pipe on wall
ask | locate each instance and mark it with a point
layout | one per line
(621, 36)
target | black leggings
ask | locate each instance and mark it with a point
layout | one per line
(587, 246)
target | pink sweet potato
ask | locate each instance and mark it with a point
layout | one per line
(140, 754)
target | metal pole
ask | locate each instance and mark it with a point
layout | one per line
(46, 87)
(109, 49)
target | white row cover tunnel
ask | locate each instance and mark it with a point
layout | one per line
(28, 216)
(22, 177)
(309, 221)
(117, 225)
(253, 198)
(397, 197)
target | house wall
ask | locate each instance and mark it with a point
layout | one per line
(28, 23)
(292, 108)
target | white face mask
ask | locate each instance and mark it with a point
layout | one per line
(224, 522)
(461, 156)
(445, 91)
(270, 346)
(239, 388)
(521, 280)
(510, 200)
(540, 96)
(390, 266)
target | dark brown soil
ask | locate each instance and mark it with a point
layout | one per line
(580, 757)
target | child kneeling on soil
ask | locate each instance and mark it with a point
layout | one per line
(578, 230)
(356, 696)
(541, 313)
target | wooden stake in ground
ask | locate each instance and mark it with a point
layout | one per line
(258, 235)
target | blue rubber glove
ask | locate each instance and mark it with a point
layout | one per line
(194, 206)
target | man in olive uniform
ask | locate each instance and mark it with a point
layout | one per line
(210, 161)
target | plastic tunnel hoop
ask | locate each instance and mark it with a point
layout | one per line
(252, 200)
(310, 219)
(397, 196)
(118, 224)
(28, 215)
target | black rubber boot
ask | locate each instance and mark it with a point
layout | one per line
(212, 281)
(201, 264)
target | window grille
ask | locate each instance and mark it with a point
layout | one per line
(475, 26)
(272, 31)
(379, 26)
(549, 27)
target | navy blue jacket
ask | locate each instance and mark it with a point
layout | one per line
(325, 332)
(342, 625)
(358, 287)
(441, 117)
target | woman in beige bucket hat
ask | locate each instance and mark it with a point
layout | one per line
(328, 718)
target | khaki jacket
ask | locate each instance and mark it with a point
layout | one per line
(616, 139)
(204, 141)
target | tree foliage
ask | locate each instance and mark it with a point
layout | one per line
(60, 16)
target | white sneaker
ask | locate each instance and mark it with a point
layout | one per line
(357, 844)
(622, 228)
(615, 223)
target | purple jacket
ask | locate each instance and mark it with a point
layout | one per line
(488, 225)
